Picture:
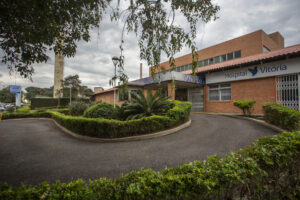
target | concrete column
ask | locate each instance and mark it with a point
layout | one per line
(58, 75)
(171, 90)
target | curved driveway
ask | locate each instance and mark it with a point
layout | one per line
(33, 150)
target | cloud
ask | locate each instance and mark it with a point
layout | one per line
(93, 64)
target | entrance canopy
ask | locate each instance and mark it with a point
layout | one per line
(183, 80)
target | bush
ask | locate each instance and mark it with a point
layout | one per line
(52, 102)
(279, 115)
(110, 128)
(77, 108)
(10, 109)
(269, 169)
(26, 115)
(245, 105)
(100, 110)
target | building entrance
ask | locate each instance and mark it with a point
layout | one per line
(195, 96)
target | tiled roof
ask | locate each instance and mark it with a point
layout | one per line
(108, 90)
(292, 50)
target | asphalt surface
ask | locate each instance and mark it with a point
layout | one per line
(32, 150)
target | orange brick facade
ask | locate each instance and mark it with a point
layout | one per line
(108, 97)
(262, 90)
(249, 44)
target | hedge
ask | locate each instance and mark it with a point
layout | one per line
(279, 115)
(109, 128)
(52, 102)
(269, 170)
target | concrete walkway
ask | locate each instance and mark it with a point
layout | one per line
(33, 150)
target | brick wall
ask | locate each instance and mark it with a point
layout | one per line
(249, 44)
(108, 97)
(262, 90)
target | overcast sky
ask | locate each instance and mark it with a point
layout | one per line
(236, 17)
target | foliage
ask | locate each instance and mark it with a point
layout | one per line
(180, 112)
(23, 110)
(269, 169)
(245, 105)
(100, 110)
(48, 102)
(77, 108)
(141, 106)
(31, 28)
(58, 25)
(279, 115)
(10, 109)
(32, 92)
(111, 128)
(6, 96)
(17, 115)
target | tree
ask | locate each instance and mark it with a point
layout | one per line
(30, 28)
(6, 96)
(73, 83)
(84, 91)
(141, 106)
(32, 92)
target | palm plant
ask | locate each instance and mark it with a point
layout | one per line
(141, 106)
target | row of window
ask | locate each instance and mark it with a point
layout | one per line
(217, 59)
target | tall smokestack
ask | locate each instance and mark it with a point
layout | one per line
(141, 70)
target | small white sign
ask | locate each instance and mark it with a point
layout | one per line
(290, 66)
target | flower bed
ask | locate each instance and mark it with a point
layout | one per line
(109, 128)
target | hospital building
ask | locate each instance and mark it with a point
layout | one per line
(254, 66)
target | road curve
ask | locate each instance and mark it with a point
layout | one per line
(33, 150)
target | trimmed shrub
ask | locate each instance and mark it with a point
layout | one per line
(77, 108)
(269, 169)
(23, 110)
(52, 102)
(245, 105)
(180, 111)
(26, 115)
(110, 128)
(279, 115)
(100, 110)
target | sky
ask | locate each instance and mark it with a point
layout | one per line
(94, 66)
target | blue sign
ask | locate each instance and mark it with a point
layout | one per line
(15, 89)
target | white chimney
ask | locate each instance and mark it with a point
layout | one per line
(141, 70)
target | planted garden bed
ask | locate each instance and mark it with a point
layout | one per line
(112, 128)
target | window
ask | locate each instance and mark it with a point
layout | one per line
(220, 92)
(200, 63)
(211, 61)
(265, 49)
(123, 95)
(223, 58)
(217, 59)
(237, 54)
(205, 62)
(229, 56)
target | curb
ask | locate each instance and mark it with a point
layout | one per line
(264, 123)
(123, 139)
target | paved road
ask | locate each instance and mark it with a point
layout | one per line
(33, 150)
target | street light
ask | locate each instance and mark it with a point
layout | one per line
(115, 61)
